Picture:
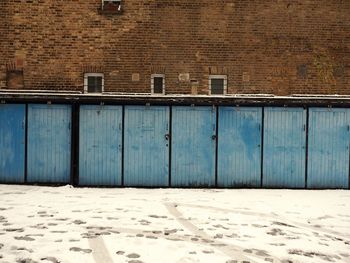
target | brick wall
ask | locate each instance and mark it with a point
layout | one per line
(263, 46)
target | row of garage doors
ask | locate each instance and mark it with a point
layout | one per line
(176, 146)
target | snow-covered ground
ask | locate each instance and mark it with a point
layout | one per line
(64, 224)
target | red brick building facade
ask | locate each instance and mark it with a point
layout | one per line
(278, 47)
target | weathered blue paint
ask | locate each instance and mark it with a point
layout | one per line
(284, 147)
(146, 146)
(193, 146)
(12, 140)
(49, 143)
(239, 147)
(328, 162)
(100, 145)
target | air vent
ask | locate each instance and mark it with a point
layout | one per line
(112, 7)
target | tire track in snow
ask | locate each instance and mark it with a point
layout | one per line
(274, 217)
(99, 251)
(234, 252)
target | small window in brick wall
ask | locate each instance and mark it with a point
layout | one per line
(158, 83)
(218, 84)
(93, 82)
(111, 6)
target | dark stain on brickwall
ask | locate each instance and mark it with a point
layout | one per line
(262, 46)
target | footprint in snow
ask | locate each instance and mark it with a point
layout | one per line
(25, 249)
(276, 232)
(151, 237)
(133, 255)
(79, 222)
(156, 216)
(261, 253)
(39, 226)
(278, 244)
(78, 249)
(112, 218)
(282, 224)
(62, 219)
(144, 222)
(25, 238)
(219, 236)
(41, 212)
(34, 235)
(51, 259)
(14, 229)
(25, 260)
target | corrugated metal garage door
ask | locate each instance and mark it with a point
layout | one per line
(284, 147)
(146, 146)
(100, 145)
(239, 147)
(193, 146)
(49, 143)
(12, 143)
(328, 157)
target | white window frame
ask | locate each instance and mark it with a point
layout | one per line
(218, 77)
(152, 83)
(86, 75)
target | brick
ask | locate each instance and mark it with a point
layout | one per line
(278, 47)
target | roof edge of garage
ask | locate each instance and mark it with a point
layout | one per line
(174, 99)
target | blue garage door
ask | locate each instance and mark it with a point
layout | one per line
(49, 143)
(328, 162)
(239, 147)
(100, 144)
(284, 147)
(12, 140)
(146, 152)
(193, 146)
